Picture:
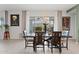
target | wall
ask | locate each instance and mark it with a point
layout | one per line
(74, 13)
(15, 31)
(56, 14)
(73, 27)
(41, 13)
(77, 23)
(59, 20)
(72, 24)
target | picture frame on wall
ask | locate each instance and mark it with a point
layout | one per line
(14, 19)
(66, 23)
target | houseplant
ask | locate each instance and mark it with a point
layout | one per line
(6, 33)
(6, 27)
(38, 29)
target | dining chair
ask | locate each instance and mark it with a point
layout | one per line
(38, 40)
(28, 40)
(65, 33)
(55, 41)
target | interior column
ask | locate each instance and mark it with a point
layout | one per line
(59, 18)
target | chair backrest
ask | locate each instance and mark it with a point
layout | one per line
(39, 37)
(65, 33)
(24, 32)
(56, 37)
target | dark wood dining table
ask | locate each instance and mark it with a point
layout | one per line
(32, 35)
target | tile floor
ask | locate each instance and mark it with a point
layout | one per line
(17, 47)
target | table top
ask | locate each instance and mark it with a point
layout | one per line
(46, 35)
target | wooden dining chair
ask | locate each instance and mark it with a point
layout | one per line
(38, 40)
(55, 42)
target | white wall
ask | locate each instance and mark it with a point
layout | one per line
(64, 13)
(15, 31)
(73, 26)
(41, 13)
(55, 14)
(72, 23)
(2, 14)
(59, 20)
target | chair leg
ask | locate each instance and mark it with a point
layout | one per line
(34, 49)
(25, 43)
(51, 48)
(67, 48)
(43, 48)
(60, 50)
(48, 43)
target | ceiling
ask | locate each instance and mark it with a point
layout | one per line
(36, 6)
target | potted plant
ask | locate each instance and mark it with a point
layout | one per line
(6, 33)
(38, 29)
(6, 27)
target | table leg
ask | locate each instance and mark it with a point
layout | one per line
(25, 42)
(67, 43)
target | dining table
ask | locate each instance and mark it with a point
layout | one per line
(32, 35)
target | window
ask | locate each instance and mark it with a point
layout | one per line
(38, 21)
(1, 21)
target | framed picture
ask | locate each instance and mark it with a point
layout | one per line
(66, 22)
(14, 19)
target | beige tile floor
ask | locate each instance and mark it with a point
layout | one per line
(17, 47)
